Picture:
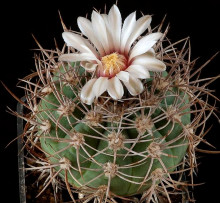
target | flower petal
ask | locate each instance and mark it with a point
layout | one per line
(100, 86)
(141, 25)
(138, 71)
(145, 44)
(99, 29)
(151, 52)
(151, 63)
(76, 41)
(115, 88)
(77, 57)
(123, 75)
(115, 22)
(134, 85)
(85, 26)
(87, 95)
(108, 31)
(88, 66)
(127, 29)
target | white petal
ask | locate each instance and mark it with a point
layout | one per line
(141, 48)
(115, 22)
(108, 31)
(141, 25)
(87, 95)
(127, 29)
(154, 36)
(151, 63)
(115, 88)
(151, 52)
(89, 52)
(134, 85)
(86, 28)
(155, 65)
(123, 75)
(100, 86)
(77, 57)
(145, 44)
(138, 71)
(76, 41)
(142, 59)
(99, 29)
(88, 66)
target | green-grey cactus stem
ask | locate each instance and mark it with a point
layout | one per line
(95, 152)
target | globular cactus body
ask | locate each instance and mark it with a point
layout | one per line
(123, 148)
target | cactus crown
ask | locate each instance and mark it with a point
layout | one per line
(116, 148)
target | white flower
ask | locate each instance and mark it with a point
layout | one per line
(109, 51)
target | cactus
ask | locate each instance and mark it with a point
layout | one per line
(110, 147)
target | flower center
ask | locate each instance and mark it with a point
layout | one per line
(112, 64)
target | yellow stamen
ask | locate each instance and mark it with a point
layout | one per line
(113, 64)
